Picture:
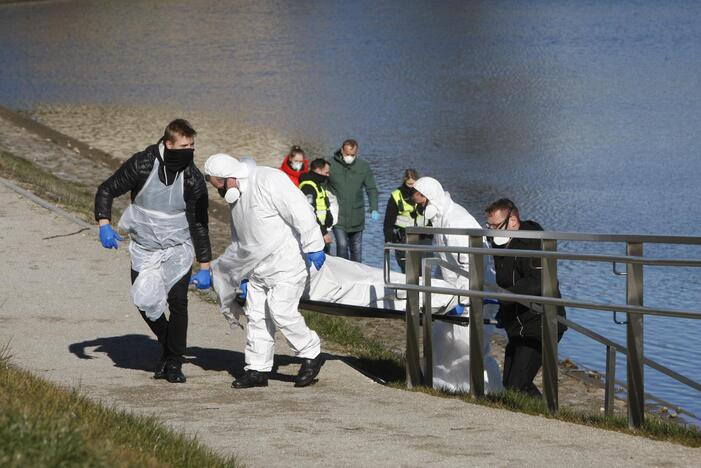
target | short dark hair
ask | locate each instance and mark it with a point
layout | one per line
(349, 142)
(318, 163)
(179, 127)
(502, 204)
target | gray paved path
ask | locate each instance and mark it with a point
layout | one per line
(65, 310)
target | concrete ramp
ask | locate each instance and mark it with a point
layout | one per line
(65, 309)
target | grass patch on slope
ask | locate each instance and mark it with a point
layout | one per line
(654, 427)
(368, 355)
(44, 425)
(69, 195)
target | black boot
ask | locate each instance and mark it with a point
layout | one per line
(309, 370)
(160, 371)
(251, 378)
(174, 373)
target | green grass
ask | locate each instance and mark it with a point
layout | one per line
(369, 355)
(69, 195)
(654, 427)
(44, 425)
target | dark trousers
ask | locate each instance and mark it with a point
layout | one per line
(349, 245)
(172, 332)
(522, 360)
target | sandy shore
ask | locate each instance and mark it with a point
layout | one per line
(122, 131)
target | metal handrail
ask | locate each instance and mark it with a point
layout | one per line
(556, 235)
(544, 300)
(619, 347)
(558, 255)
(550, 300)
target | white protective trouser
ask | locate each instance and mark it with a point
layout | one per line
(451, 350)
(271, 304)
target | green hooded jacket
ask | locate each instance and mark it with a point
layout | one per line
(346, 182)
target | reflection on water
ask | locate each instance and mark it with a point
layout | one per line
(585, 113)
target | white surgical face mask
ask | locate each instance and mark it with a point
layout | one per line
(349, 159)
(296, 166)
(430, 211)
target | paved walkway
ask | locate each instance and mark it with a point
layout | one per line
(65, 309)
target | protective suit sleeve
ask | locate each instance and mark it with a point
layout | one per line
(371, 189)
(293, 207)
(123, 180)
(462, 261)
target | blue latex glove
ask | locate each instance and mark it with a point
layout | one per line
(497, 317)
(457, 310)
(244, 289)
(202, 279)
(109, 237)
(375, 215)
(317, 258)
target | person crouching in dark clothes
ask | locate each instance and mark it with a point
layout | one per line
(519, 275)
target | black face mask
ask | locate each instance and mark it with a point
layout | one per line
(222, 191)
(176, 160)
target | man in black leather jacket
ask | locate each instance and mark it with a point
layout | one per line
(172, 157)
(519, 275)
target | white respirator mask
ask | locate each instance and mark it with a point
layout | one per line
(430, 211)
(234, 193)
(349, 159)
(297, 166)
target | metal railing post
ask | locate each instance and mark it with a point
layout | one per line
(549, 331)
(634, 338)
(427, 327)
(610, 383)
(476, 327)
(413, 360)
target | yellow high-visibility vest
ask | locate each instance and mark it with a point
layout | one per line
(321, 205)
(406, 215)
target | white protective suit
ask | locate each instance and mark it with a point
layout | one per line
(160, 246)
(272, 226)
(451, 349)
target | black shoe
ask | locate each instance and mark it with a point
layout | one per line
(309, 370)
(160, 372)
(251, 378)
(174, 373)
